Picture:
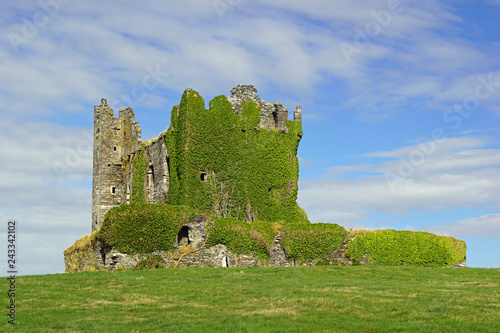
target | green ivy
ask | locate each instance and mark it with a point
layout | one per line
(150, 262)
(246, 176)
(240, 236)
(301, 242)
(395, 248)
(312, 242)
(144, 228)
(249, 172)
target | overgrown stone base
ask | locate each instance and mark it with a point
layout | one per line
(89, 254)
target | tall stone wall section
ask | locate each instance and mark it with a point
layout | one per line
(112, 137)
(158, 177)
(117, 140)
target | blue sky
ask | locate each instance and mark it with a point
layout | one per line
(401, 105)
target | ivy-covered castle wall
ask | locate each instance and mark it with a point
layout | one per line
(235, 159)
(238, 158)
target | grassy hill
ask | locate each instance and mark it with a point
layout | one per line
(298, 299)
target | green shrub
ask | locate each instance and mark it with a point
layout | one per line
(301, 241)
(313, 241)
(144, 228)
(240, 236)
(395, 248)
(150, 262)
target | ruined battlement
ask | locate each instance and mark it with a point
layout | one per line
(272, 116)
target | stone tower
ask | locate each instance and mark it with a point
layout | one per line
(114, 138)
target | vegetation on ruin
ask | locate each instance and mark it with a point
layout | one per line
(226, 164)
(139, 174)
(293, 299)
(76, 256)
(301, 242)
(407, 248)
(152, 261)
(244, 178)
(314, 241)
(144, 228)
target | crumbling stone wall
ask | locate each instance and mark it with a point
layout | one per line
(117, 143)
(113, 137)
(272, 116)
(158, 177)
(85, 255)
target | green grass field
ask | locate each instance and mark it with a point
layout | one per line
(298, 299)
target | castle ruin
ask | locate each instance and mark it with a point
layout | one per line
(118, 140)
(225, 183)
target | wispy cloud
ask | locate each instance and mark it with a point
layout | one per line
(482, 226)
(45, 182)
(457, 174)
(86, 51)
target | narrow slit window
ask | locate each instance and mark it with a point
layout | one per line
(113, 190)
(203, 176)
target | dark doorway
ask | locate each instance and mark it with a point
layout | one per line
(183, 237)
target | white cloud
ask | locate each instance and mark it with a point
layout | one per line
(482, 226)
(84, 52)
(52, 208)
(453, 176)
